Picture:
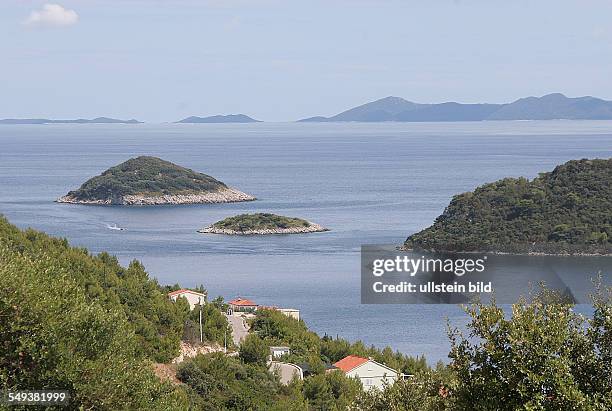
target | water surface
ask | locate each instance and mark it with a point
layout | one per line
(368, 183)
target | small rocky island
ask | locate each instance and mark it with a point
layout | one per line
(152, 181)
(567, 211)
(262, 223)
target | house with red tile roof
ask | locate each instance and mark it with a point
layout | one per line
(193, 297)
(242, 305)
(371, 373)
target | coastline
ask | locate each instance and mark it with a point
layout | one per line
(530, 253)
(312, 228)
(226, 195)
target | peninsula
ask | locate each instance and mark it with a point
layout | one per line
(262, 223)
(562, 212)
(152, 181)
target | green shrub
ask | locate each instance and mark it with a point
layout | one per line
(253, 350)
(224, 383)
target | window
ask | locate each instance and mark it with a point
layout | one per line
(369, 382)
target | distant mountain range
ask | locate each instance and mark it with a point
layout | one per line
(554, 106)
(550, 107)
(230, 118)
(98, 120)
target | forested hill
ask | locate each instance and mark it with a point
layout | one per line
(566, 211)
(144, 174)
(83, 323)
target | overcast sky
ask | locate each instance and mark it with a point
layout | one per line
(283, 60)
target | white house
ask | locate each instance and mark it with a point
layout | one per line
(193, 297)
(369, 372)
(291, 312)
(277, 352)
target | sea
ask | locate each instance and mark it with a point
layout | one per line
(369, 183)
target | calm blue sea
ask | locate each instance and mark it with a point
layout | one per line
(368, 183)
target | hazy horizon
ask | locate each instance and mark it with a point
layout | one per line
(161, 61)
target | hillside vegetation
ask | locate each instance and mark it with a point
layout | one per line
(83, 323)
(70, 320)
(566, 211)
(545, 356)
(260, 221)
(145, 175)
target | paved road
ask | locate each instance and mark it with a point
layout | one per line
(239, 328)
(286, 371)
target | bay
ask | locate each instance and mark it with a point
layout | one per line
(368, 183)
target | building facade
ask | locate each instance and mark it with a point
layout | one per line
(291, 312)
(193, 298)
(371, 373)
(241, 305)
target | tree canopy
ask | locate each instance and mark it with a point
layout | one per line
(69, 320)
(565, 211)
(541, 356)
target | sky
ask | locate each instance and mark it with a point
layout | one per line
(163, 60)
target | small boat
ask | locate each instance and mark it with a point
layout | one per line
(114, 227)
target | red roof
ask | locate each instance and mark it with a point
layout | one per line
(183, 291)
(243, 302)
(348, 363)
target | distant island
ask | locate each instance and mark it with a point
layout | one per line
(262, 223)
(230, 118)
(152, 181)
(97, 120)
(566, 211)
(550, 107)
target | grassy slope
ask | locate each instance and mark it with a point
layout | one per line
(568, 210)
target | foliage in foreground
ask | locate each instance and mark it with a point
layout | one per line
(215, 327)
(253, 350)
(54, 335)
(560, 212)
(219, 382)
(425, 391)
(158, 323)
(543, 357)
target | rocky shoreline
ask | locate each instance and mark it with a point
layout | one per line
(312, 228)
(226, 195)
